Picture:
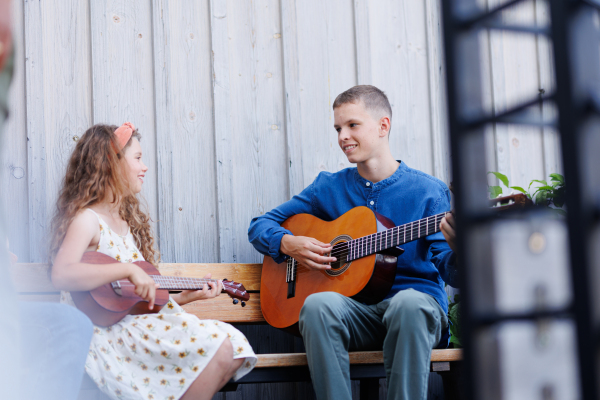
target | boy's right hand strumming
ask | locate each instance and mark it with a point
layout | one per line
(145, 287)
(307, 251)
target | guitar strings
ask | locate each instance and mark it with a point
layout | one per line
(396, 233)
(344, 248)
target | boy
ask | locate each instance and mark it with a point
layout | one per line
(411, 320)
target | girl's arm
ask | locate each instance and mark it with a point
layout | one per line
(69, 273)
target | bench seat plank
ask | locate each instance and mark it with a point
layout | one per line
(357, 357)
(246, 274)
(222, 308)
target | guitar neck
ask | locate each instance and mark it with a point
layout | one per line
(396, 236)
(181, 283)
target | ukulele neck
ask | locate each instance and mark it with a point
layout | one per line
(181, 283)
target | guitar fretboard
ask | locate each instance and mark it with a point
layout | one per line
(396, 236)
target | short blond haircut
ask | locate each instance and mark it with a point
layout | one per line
(373, 98)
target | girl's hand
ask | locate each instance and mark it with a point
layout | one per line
(209, 291)
(145, 287)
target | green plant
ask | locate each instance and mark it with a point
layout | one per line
(454, 318)
(548, 194)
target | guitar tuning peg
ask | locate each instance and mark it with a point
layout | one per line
(235, 301)
(243, 304)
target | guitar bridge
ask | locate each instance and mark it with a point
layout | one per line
(290, 277)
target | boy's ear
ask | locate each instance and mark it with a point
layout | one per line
(384, 126)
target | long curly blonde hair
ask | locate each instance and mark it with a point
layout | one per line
(94, 173)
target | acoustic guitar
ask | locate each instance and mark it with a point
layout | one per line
(110, 303)
(365, 244)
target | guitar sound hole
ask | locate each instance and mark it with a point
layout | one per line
(339, 263)
(340, 252)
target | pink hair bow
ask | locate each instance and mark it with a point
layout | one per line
(123, 134)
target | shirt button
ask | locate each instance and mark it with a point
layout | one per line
(372, 202)
(368, 183)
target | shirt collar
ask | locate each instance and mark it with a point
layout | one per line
(402, 168)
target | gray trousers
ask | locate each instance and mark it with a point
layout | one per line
(407, 326)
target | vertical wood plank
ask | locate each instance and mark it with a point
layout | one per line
(57, 69)
(363, 42)
(123, 84)
(400, 68)
(223, 139)
(257, 116)
(515, 79)
(327, 62)
(488, 103)
(437, 92)
(293, 114)
(13, 199)
(185, 132)
(550, 137)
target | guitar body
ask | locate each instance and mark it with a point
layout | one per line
(105, 307)
(368, 279)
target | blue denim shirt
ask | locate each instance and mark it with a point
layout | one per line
(406, 196)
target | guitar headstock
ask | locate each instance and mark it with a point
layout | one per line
(235, 290)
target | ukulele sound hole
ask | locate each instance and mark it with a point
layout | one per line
(340, 252)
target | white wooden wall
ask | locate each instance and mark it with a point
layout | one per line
(233, 99)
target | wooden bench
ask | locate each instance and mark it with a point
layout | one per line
(33, 284)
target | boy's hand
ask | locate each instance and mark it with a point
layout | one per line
(307, 251)
(145, 287)
(447, 228)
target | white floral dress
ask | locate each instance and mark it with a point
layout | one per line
(154, 356)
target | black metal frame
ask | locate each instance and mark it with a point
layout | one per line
(461, 20)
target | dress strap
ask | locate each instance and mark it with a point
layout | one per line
(94, 212)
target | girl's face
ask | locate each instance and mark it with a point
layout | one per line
(136, 169)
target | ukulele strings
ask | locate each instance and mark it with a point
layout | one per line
(343, 249)
(175, 281)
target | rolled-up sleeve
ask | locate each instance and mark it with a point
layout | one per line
(265, 231)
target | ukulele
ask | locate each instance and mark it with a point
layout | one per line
(365, 244)
(108, 304)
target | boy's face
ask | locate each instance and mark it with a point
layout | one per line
(360, 136)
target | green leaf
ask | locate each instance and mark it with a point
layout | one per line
(494, 191)
(454, 319)
(549, 188)
(541, 197)
(500, 176)
(455, 339)
(558, 178)
(519, 188)
(542, 182)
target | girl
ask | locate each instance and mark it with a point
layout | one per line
(169, 355)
